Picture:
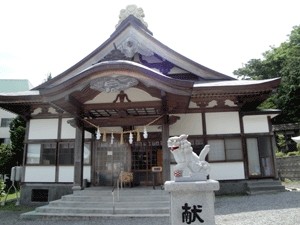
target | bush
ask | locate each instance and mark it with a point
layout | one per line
(280, 154)
(2, 187)
(295, 153)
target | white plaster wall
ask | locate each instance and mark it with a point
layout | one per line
(87, 134)
(67, 131)
(256, 124)
(87, 172)
(39, 174)
(221, 171)
(190, 124)
(222, 123)
(134, 94)
(66, 174)
(43, 129)
(227, 171)
(138, 95)
(4, 132)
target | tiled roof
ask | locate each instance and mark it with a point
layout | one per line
(14, 85)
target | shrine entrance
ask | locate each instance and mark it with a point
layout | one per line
(145, 156)
(137, 158)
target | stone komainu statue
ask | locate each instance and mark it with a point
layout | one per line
(186, 159)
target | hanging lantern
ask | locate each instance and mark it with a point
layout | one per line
(98, 134)
(122, 138)
(138, 135)
(145, 134)
(130, 138)
(104, 136)
(112, 138)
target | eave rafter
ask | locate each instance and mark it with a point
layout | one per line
(242, 99)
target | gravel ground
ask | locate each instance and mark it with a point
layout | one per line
(266, 209)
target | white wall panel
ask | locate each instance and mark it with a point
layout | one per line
(43, 129)
(227, 171)
(221, 171)
(39, 174)
(87, 172)
(4, 132)
(66, 174)
(67, 131)
(87, 134)
(256, 124)
(190, 124)
(222, 123)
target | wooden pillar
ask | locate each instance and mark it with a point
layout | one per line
(166, 152)
(78, 157)
(244, 146)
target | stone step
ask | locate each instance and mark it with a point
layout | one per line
(123, 198)
(97, 204)
(110, 210)
(74, 216)
(93, 203)
(128, 192)
(264, 186)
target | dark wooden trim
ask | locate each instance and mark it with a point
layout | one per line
(165, 149)
(204, 130)
(93, 159)
(272, 143)
(244, 147)
(56, 149)
(78, 157)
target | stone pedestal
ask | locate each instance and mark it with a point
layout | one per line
(192, 202)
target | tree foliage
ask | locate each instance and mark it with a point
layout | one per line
(12, 154)
(284, 62)
(6, 159)
(17, 135)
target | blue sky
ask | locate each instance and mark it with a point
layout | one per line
(49, 36)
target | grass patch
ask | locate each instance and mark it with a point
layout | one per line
(10, 204)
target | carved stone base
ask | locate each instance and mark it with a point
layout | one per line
(192, 202)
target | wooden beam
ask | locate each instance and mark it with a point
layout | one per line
(122, 105)
(128, 121)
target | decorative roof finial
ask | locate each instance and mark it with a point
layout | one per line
(132, 10)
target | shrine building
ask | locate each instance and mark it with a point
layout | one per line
(114, 110)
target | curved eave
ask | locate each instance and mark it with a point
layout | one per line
(149, 77)
(237, 86)
(20, 97)
(19, 104)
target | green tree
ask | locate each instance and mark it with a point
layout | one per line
(284, 62)
(48, 77)
(17, 135)
(6, 159)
